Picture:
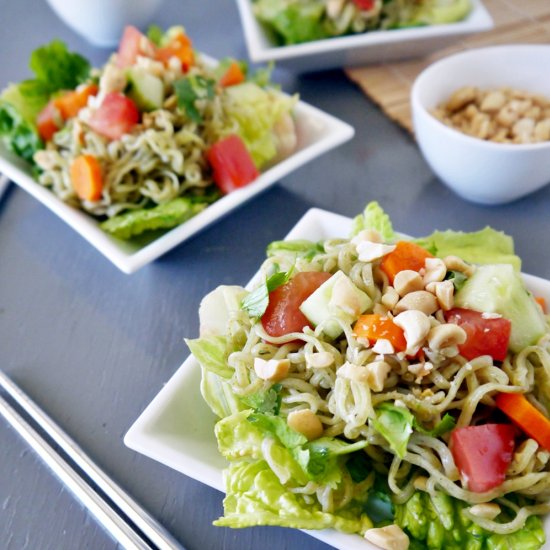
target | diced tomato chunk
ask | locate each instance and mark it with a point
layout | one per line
(49, 121)
(364, 4)
(116, 116)
(231, 164)
(131, 45)
(283, 315)
(482, 454)
(484, 335)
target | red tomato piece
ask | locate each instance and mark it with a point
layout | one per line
(231, 164)
(283, 315)
(482, 454)
(49, 121)
(484, 336)
(364, 4)
(131, 45)
(116, 116)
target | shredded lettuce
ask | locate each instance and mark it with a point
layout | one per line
(265, 401)
(218, 395)
(163, 216)
(301, 248)
(396, 425)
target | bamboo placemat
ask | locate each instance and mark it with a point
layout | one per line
(389, 84)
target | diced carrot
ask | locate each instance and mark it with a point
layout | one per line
(375, 327)
(86, 178)
(180, 47)
(71, 102)
(526, 416)
(233, 75)
(542, 303)
(49, 121)
(407, 255)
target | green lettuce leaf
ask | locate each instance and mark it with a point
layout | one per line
(292, 22)
(439, 523)
(437, 12)
(164, 216)
(300, 248)
(374, 217)
(486, 246)
(266, 401)
(218, 394)
(255, 496)
(255, 111)
(395, 424)
(212, 353)
(189, 90)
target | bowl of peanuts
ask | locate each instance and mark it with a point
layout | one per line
(482, 121)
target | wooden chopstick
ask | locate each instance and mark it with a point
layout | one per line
(120, 514)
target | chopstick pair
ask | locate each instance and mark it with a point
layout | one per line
(126, 521)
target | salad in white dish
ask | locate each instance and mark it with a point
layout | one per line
(388, 387)
(299, 21)
(151, 138)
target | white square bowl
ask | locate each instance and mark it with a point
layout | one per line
(318, 132)
(359, 49)
(177, 427)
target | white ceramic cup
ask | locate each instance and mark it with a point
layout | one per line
(101, 22)
(482, 171)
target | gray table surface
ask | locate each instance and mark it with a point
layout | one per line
(93, 346)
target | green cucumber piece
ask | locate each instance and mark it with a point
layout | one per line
(145, 89)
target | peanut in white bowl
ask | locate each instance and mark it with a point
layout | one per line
(482, 171)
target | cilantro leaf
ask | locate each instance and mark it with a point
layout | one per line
(257, 301)
(190, 89)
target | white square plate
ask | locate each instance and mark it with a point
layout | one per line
(177, 428)
(318, 132)
(358, 49)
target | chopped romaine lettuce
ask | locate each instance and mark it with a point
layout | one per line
(256, 496)
(486, 246)
(218, 395)
(265, 401)
(255, 111)
(164, 216)
(292, 22)
(212, 353)
(374, 217)
(438, 522)
(190, 89)
(301, 248)
(396, 425)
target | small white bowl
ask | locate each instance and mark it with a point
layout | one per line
(482, 171)
(358, 49)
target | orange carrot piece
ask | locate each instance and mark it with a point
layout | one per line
(542, 303)
(233, 75)
(180, 47)
(526, 416)
(375, 327)
(71, 102)
(406, 255)
(49, 121)
(86, 178)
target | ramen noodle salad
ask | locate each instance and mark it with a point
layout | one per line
(151, 138)
(298, 21)
(396, 389)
